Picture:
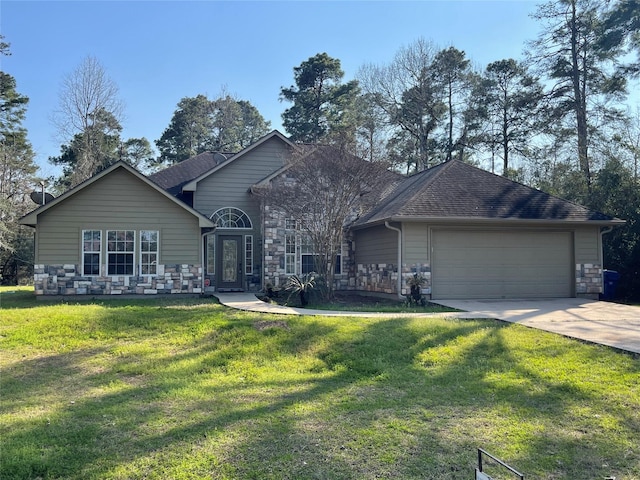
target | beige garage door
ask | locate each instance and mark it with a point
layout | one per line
(501, 264)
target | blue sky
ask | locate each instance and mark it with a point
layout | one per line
(160, 51)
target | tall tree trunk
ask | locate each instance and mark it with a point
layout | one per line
(579, 82)
(450, 139)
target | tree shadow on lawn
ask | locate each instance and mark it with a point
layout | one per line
(400, 398)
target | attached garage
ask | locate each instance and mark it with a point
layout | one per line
(472, 234)
(502, 264)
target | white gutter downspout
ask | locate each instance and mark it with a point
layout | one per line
(399, 286)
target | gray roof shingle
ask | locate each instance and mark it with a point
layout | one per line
(173, 178)
(457, 190)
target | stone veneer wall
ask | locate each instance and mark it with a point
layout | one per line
(67, 280)
(383, 277)
(274, 245)
(588, 280)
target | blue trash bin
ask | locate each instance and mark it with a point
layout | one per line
(611, 278)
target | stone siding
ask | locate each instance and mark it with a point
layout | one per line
(67, 280)
(588, 280)
(274, 254)
(383, 278)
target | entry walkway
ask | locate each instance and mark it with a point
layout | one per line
(250, 303)
(610, 324)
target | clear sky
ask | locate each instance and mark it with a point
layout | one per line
(161, 51)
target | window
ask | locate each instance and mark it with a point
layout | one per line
(300, 255)
(148, 252)
(290, 247)
(308, 256)
(230, 217)
(120, 248)
(211, 255)
(91, 248)
(248, 254)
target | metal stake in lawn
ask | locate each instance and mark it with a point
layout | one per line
(483, 476)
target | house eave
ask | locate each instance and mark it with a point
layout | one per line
(490, 221)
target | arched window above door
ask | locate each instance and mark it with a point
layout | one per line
(231, 217)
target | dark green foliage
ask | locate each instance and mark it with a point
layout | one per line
(322, 105)
(100, 141)
(17, 179)
(621, 32)
(616, 192)
(200, 125)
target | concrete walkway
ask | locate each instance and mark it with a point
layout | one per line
(610, 324)
(250, 303)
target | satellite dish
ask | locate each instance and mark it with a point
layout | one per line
(37, 197)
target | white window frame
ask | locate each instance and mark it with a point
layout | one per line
(211, 255)
(151, 265)
(121, 252)
(230, 217)
(290, 247)
(92, 252)
(248, 254)
(307, 249)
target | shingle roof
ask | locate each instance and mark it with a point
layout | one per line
(457, 190)
(173, 178)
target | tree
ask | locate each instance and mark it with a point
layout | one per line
(617, 193)
(620, 32)
(508, 99)
(322, 105)
(17, 177)
(88, 114)
(236, 124)
(371, 128)
(137, 152)
(322, 189)
(199, 125)
(407, 92)
(451, 71)
(566, 51)
(90, 151)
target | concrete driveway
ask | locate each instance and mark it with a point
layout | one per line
(607, 323)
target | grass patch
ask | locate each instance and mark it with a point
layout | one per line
(186, 389)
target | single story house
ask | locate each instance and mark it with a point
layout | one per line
(195, 227)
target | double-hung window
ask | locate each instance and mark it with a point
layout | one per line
(120, 252)
(148, 252)
(248, 254)
(308, 256)
(290, 246)
(91, 250)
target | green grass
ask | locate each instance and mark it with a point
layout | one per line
(185, 389)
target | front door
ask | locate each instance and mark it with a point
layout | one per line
(229, 262)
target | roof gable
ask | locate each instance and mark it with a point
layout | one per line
(32, 217)
(192, 185)
(173, 178)
(456, 190)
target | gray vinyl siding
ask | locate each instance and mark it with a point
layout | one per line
(587, 246)
(123, 202)
(376, 245)
(416, 243)
(229, 186)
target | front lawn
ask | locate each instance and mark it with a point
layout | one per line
(185, 389)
